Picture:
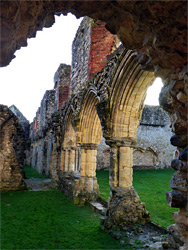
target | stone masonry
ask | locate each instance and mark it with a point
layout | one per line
(12, 147)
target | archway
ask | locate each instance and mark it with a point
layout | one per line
(126, 101)
(69, 151)
(89, 133)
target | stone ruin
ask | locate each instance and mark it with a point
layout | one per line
(155, 43)
(13, 135)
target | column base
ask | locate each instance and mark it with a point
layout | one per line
(79, 189)
(125, 210)
(87, 189)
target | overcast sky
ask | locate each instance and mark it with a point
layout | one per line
(24, 82)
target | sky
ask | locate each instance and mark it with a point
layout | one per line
(24, 81)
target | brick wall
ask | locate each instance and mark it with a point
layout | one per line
(102, 44)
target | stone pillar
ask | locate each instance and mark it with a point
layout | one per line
(88, 182)
(77, 159)
(124, 210)
(66, 166)
(83, 162)
(62, 160)
(114, 170)
(125, 167)
(71, 160)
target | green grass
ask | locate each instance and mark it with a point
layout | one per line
(48, 220)
(151, 186)
(31, 172)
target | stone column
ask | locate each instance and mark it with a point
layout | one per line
(66, 166)
(76, 160)
(88, 182)
(114, 166)
(83, 162)
(72, 160)
(62, 160)
(124, 210)
(125, 167)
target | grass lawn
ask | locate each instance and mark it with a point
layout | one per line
(31, 172)
(151, 186)
(48, 220)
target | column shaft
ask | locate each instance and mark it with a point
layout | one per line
(114, 167)
(125, 166)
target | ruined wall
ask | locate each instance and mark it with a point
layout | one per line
(12, 147)
(47, 107)
(26, 127)
(153, 139)
(91, 46)
(40, 127)
(80, 55)
(62, 85)
(22, 120)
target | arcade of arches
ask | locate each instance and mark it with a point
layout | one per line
(111, 103)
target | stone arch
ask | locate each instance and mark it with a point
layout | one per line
(129, 86)
(126, 93)
(69, 150)
(89, 134)
(90, 128)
